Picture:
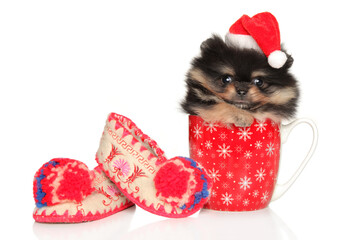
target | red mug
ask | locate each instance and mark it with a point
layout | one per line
(243, 162)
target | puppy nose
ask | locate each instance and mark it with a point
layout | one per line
(241, 92)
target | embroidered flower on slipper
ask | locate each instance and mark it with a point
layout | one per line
(122, 167)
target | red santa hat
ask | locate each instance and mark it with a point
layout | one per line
(261, 32)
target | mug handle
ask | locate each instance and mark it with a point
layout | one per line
(285, 130)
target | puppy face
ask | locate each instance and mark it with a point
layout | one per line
(240, 78)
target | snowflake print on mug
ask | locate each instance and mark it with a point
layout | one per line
(248, 154)
(258, 144)
(224, 151)
(197, 131)
(208, 144)
(214, 174)
(212, 127)
(223, 136)
(245, 183)
(247, 166)
(246, 202)
(260, 175)
(227, 198)
(270, 149)
(238, 148)
(255, 193)
(222, 165)
(225, 185)
(229, 175)
(270, 135)
(200, 153)
(238, 197)
(244, 134)
(242, 162)
(264, 197)
(260, 126)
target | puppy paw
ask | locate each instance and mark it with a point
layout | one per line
(243, 120)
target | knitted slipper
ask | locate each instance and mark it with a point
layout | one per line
(65, 191)
(175, 188)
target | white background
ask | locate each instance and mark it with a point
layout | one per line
(64, 65)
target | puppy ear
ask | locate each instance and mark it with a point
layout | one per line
(214, 43)
(289, 62)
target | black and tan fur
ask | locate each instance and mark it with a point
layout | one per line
(233, 85)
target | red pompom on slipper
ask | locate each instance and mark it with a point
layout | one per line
(66, 191)
(176, 187)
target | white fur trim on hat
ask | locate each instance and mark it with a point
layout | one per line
(241, 41)
(277, 59)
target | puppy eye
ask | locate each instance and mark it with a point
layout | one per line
(227, 79)
(258, 82)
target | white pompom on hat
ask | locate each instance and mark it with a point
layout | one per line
(261, 32)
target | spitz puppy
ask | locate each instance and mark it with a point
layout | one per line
(231, 85)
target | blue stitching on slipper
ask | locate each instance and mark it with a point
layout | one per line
(40, 194)
(198, 195)
(183, 207)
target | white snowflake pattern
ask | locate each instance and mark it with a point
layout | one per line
(245, 183)
(244, 133)
(255, 193)
(229, 175)
(227, 199)
(258, 144)
(248, 154)
(246, 202)
(270, 149)
(225, 185)
(224, 151)
(212, 127)
(200, 153)
(264, 197)
(223, 136)
(208, 144)
(261, 126)
(193, 148)
(197, 131)
(214, 175)
(268, 163)
(270, 135)
(260, 175)
(213, 193)
(238, 148)
(222, 165)
(247, 166)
